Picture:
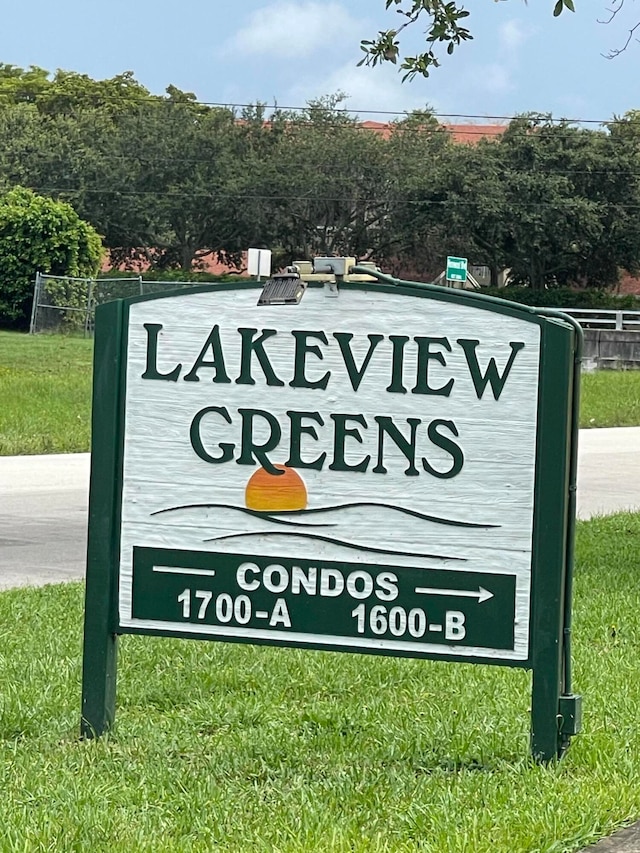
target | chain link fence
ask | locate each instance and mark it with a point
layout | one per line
(65, 305)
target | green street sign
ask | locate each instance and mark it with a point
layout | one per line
(456, 269)
(391, 471)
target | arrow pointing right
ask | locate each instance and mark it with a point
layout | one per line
(482, 594)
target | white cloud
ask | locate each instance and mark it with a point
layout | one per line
(291, 29)
(477, 89)
(490, 69)
(513, 34)
(494, 79)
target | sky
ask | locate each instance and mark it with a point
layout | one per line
(290, 51)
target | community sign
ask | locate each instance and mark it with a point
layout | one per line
(385, 472)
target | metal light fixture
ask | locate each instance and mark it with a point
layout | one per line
(285, 288)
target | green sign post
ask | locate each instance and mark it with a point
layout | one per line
(456, 269)
(391, 471)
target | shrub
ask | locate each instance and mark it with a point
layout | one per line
(39, 234)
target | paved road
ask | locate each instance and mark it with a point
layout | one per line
(608, 471)
(43, 503)
(43, 518)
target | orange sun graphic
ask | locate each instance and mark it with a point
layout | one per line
(273, 492)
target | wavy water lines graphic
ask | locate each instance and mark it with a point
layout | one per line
(343, 544)
(270, 516)
(346, 520)
(273, 515)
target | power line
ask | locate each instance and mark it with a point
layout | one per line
(435, 114)
(456, 134)
(128, 98)
(352, 118)
(156, 162)
(465, 202)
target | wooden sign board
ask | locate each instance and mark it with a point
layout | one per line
(386, 472)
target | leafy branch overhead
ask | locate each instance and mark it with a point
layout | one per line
(445, 27)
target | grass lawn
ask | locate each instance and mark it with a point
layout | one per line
(610, 398)
(45, 388)
(242, 748)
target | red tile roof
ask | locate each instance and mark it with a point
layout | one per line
(469, 133)
(473, 132)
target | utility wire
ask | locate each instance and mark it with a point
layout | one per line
(152, 163)
(128, 98)
(448, 202)
(395, 132)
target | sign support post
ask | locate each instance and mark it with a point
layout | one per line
(100, 640)
(555, 441)
(555, 710)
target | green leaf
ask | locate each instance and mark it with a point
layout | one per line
(557, 9)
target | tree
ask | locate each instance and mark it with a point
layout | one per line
(67, 91)
(317, 182)
(38, 234)
(167, 183)
(157, 176)
(575, 197)
(613, 11)
(445, 19)
(412, 242)
(555, 204)
(19, 86)
(310, 182)
(465, 202)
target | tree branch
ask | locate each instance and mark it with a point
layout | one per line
(615, 9)
(443, 26)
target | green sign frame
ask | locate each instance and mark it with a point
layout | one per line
(555, 709)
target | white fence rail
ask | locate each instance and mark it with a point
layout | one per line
(600, 318)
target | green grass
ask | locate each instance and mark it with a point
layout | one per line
(239, 748)
(610, 399)
(45, 389)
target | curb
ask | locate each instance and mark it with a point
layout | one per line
(625, 841)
